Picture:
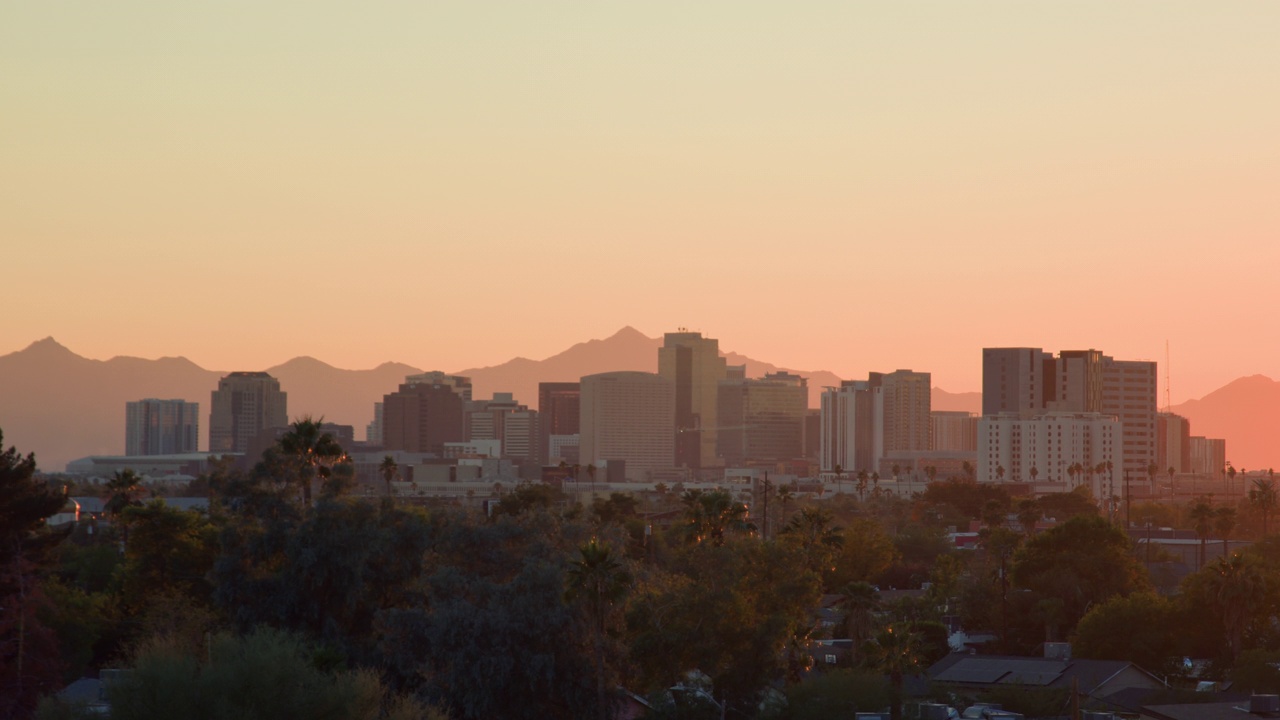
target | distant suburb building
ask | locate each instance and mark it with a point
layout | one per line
(244, 405)
(628, 416)
(161, 427)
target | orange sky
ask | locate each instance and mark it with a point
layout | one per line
(845, 186)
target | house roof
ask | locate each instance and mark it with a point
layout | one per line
(1205, 711)
(988, 670)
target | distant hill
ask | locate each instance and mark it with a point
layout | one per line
(627, 349)
(1244, 411)
(63, 406)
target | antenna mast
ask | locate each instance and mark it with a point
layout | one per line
(1168, 402)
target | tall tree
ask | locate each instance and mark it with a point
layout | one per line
(28, 651)
(897, 653)
(1262, 496)
(599, 582)
(1224, 522)
(312, 454)
(711, 515)
(1201, 515)
(389, 470)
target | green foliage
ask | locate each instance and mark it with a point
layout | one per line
(494, 636)
(1078, 564)
(839, 693)
(965, 496)
(327, 575)
(732, 612)
(1257, 671)
(711, 516)
(527, 497)
(1065, 506)
(29, 657)
(267, 674)
(1134, 628)
(866, 553)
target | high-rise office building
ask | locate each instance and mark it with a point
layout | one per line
(904, 405)
(955, 431)
(1029, 382)
(762, 420)
(1013, 380)
(1173, 443)
(1209, 456)
(693, 365)
(161, 427)
(373, 431)
(1049, 447)
(244, 405)
(459, 383)
(559, 405)
(628, 416)
(421, 417)
(848, 431)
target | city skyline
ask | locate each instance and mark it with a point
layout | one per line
(832, 185)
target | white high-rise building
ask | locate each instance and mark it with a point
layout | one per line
(1049, 448)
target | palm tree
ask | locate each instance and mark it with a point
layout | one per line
(862, 484)
(817, 537)
(839, 476)
(712, 515)
(1035, 472)
(1239, 587)
(897, 653)
(897, 470)
(599, 581)
(1263, 497)
(1071, 473)
(1231, 475)
(312, 452)
(1201, 515)
(875, 482)
(1224, 522)
(389, 470)
(931, 472)
(785, 496)
(591, 473)
(122, 490)
(1029, 513)
(858, 603)
(999, 473)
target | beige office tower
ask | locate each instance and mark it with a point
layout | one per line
(628, 417)
(905, 402)
(245, 404)
(1129, 393)
(694, 367)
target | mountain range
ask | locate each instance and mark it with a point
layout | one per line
(63, 406)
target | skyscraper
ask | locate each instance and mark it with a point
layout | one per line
(905, 401)
(693, 365)
(848, 428)
(762, 420)
(421, 417)
(245, 404)
(628, 416)
(1028, 383)
(161, 427)
(559, 408)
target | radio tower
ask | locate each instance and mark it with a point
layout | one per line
(1168, 402)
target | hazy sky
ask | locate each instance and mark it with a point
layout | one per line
(837, 185)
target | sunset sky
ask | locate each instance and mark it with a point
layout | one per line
(823, 185)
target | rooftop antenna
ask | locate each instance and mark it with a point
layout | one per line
(1168, 402)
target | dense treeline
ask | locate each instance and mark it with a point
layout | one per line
(545, 607)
